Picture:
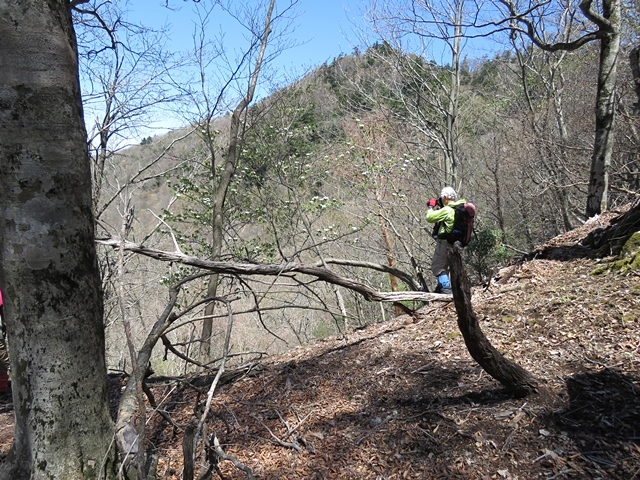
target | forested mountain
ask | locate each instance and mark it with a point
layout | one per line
(336, 170)
(273, 221)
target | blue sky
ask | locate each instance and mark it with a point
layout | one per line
(324, 29)
(320, 30)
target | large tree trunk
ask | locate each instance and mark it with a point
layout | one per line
(597, 200)
(514, 378)
(48, 267)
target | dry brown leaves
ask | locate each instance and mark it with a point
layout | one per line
(403, 399)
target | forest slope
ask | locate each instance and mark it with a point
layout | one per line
(403, 399)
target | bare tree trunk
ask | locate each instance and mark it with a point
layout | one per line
(223, 180)
(391, 261)
(634, 62)
(597, 196)
(126, 431)
(138, 450)
(552, 78)
(562, 180)
(514, 378)
(451, 128)
(48, 267)
(606, 16)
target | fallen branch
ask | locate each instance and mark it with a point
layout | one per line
(216, 379)
(513, 377)
(295, 445)
(373, 266)
(156, 407)
(224, 456)
(169, 347)
(270, 269)
(290, 430)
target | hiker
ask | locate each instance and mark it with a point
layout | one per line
(4, 356)
(440, 211)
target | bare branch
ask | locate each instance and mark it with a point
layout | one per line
(74, 3)
(224, 456)
(137, 177)
(530, 31)
(236, 268)
(373, 266)
(595, 17)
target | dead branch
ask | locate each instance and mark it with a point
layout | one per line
(291, 430)
(513, 377)
(168, 347)
(294, 445)
(373, 266)
(216, 379)
(289, 268)
(156, 407)
(224, 456)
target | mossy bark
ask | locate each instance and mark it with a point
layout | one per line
(628, 261)
(612, 239)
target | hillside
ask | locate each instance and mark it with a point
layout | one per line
(337, 166)
(403, 399)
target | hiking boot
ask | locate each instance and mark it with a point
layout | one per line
(441, 289)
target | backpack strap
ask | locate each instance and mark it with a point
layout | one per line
(436, 229)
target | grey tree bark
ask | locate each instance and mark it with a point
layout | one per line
(48, 267)
(609, 24)
(452, 134)
(634, 62)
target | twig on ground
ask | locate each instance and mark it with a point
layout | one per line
(291, 430)
(224, 456)
(295, 445)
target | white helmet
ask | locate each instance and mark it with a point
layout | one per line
(449, 192)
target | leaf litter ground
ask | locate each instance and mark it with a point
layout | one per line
(403, 399)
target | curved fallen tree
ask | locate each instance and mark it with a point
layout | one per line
(514, 378)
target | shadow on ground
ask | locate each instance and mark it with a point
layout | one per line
(603, 419)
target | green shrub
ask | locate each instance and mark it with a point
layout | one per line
(484, 253)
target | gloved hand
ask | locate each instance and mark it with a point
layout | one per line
(432, 202)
